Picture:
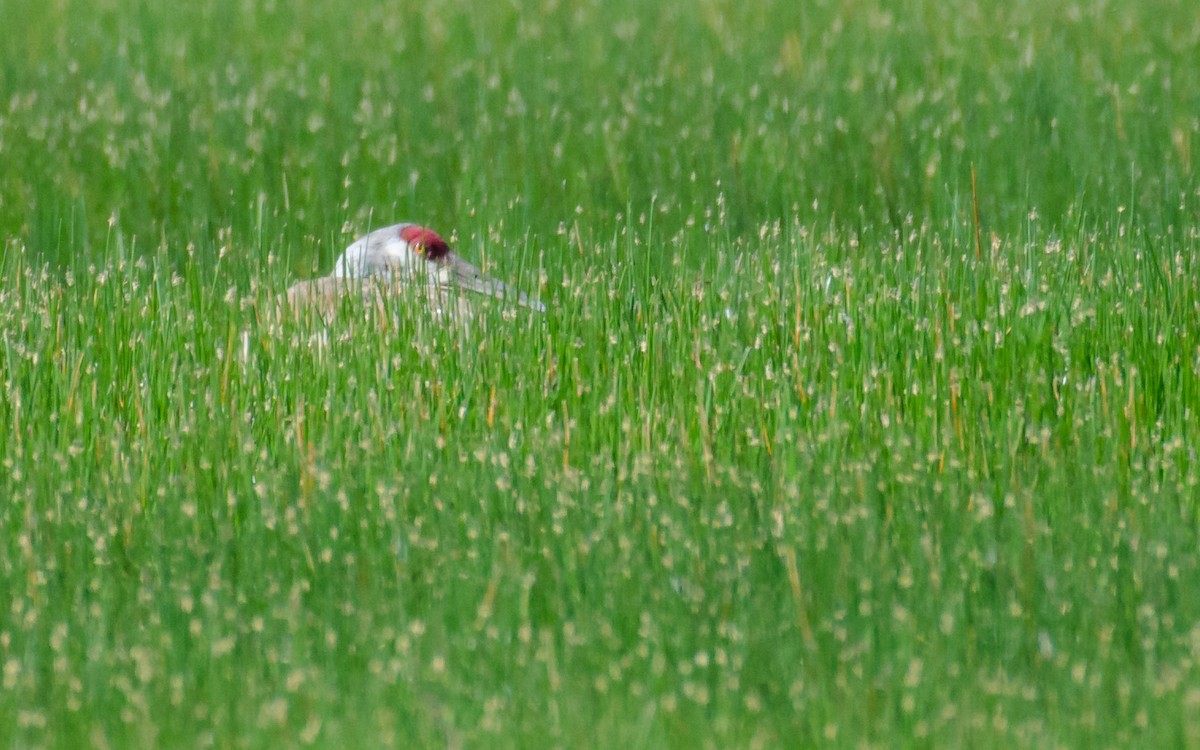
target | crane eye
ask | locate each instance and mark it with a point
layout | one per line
(419, 248)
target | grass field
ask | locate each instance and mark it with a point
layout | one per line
(865, 413)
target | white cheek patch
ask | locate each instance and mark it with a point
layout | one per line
(395, 254)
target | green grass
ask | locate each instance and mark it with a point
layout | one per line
(800, 455)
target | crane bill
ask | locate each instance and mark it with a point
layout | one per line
(466, 276)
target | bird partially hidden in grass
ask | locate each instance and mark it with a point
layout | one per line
(404, 267)
(403, 264)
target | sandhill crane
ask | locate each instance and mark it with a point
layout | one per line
(406, 262)
(404, 265)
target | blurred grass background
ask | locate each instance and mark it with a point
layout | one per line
(285, 124)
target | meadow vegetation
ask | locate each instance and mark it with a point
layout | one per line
(864, 412)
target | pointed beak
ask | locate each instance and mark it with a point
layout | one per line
(467, 276)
